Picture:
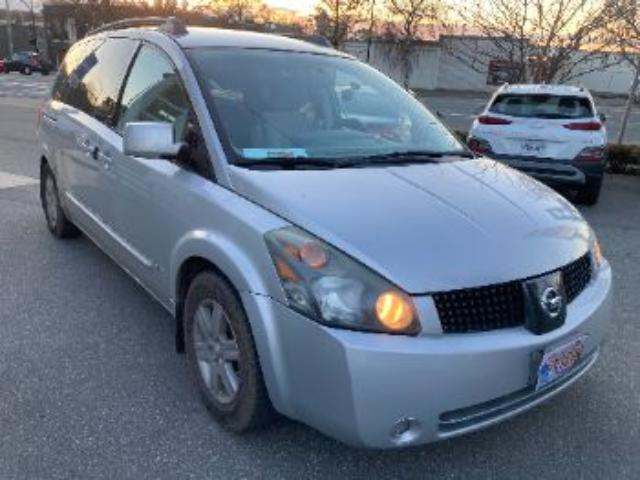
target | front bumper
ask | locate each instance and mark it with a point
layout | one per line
(356, 386)
(552, 171)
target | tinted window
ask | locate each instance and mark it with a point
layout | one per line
(542, 106)
(154, 93)
(76, 54)
(94, 85)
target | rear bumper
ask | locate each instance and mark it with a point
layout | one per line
(356, 387)
(552, 171)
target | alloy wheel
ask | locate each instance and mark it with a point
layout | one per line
(216, 351)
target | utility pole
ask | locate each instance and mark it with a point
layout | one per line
(34, 36)
(630, 100)
(9, 34)
(372, 20)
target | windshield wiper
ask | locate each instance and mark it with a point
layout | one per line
(392, 158)
(408, 156)
(290, 163)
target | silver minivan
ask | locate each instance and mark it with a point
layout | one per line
(329, 250)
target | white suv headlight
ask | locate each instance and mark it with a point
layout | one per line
(328, 286)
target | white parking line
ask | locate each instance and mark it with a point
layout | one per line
(8, 180)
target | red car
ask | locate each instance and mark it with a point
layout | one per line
(3, 64)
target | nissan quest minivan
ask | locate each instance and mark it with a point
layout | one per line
(329, 250)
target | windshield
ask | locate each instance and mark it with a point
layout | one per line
(542, 106)
(273, 104)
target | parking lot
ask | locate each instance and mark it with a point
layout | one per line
(90, 386)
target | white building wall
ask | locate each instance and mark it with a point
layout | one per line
(425, 66)
(435, 68)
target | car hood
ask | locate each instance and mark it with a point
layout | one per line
(432, 227)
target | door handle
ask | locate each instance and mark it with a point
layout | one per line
(85, 145)
(49, 118)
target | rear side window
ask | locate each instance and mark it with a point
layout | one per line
(542, 106)
(76, 54)
(96, 82)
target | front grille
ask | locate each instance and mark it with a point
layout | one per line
(502, 305)
(481, 309)
(576, 277)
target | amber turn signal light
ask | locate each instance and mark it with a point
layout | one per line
(314, 255)
(394, 311)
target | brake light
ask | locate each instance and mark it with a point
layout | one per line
(489, 120)
(584, 126)
(592, 154)
(479, 146)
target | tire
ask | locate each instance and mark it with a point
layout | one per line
(249, 407)
(590, 192)
(26, 70)
(57, 222)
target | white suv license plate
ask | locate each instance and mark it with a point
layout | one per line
(533, 147)
(558, 361)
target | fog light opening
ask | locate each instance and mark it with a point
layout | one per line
(405, 431)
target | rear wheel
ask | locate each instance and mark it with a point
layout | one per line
(26, 70)
(222, 357)
(590, 192)
(57, 222)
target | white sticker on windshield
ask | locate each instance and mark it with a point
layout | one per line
(262, 153)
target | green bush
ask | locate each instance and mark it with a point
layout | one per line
(624, 159)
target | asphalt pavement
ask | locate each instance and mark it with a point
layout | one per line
(90, 386)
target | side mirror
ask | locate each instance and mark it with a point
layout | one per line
(150, 140)
(603, 117)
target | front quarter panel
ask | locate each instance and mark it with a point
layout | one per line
(235, 245)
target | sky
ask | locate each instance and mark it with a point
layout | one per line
(302, 6)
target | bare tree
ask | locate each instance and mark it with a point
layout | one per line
(541, 40)
(408, 20)
(336, 19)
(236, 13)
(623, 31)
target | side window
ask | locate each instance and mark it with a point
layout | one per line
(74, 57)
(96, 82)
(154, 93)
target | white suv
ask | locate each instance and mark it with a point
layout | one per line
(552, 132)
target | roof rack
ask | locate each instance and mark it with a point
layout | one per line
(317, 40)
(169, 25)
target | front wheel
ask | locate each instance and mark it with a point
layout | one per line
(222, 357)
(26, 70)
(57, 222)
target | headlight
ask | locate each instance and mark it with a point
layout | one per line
(596, 253)
(328, 286)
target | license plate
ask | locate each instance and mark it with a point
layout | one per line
(533, 147)
(559, 360)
